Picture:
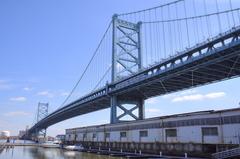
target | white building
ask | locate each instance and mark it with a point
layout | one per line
(198, 128)
(5, 134)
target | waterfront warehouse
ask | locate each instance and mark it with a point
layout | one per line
(197, 133)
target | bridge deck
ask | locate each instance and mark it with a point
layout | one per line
(215, 60)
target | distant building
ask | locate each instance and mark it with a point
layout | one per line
(60, 137)
(50, 138)
(21, 133)
(5, 134)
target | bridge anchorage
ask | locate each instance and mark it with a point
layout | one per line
(126, 60)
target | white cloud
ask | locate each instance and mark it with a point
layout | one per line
(187, 92)
(46, 93)
(173, 95)
(4, 85)
(215, 95)
(188, 98)
(27, 89)
(152, 110)
(197, 97)
(18, 99)
(167, 96)
(17, 113)
(64, 94)
(152, 101)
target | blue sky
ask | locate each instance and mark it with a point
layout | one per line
(44, 47)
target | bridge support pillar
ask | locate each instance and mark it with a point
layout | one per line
(128, 109)
(126, 48)
(42, 112)
(126, 61)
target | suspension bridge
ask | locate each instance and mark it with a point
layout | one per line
(152, 52)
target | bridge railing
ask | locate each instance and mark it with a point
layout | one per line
(161, 67)
(87, 98)
(166, 64)
(227, 154)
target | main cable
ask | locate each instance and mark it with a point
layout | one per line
(144, 10)
(104, 75)
(193, 17)
(86, 68)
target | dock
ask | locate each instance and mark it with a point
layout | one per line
(130, 155)
(20, 144)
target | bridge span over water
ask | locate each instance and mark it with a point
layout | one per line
(214, 59)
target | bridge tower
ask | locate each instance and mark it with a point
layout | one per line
(42, 112)
(126, 60)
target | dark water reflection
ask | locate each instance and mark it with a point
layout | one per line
(43, 153)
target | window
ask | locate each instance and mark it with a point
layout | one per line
(123, 134)
(94, 135)
(209, 131)
(84, 135)
(143, 133)
(107, 135)
(171, 132)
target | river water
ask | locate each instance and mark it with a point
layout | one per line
(32, 152)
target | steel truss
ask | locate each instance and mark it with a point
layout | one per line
(214, 60)
(42, 112)
(126, 60)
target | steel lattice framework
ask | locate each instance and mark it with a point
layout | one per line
(126, 61)
(42, 112)
(164, 30)
(126, 54)
(214, 60)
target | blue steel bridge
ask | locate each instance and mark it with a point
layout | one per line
(153, 52)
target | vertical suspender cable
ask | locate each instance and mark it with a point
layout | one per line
(163, 30)
(230, 2)
(219, 21)
(228, 20)
(201, 26)
(131, 18)
(207, 20)
(145, 39)
(135, 18)
(196, 20)
(157, 43)
(178, 31)
(175, 34)
(150, 37)
(186, 22)
(170, 32)
(238, 14)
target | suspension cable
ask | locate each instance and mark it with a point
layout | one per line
(230, 2)
(186, 22)
(193, 17)
(219, 20)
(86, 68)
(207, 20)
(144, 10)
(103, 77)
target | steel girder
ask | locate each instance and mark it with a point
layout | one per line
(215, 60)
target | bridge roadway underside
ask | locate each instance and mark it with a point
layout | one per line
(215, 68)
(216, 64)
